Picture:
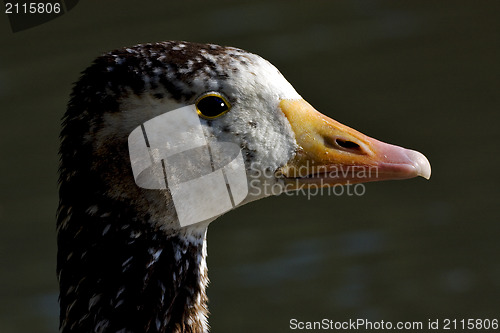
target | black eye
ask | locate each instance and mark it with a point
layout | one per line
(212, 105)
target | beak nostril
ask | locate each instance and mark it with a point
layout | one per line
(347, 144)
(341, 144)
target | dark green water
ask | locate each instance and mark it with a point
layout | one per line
(420, 74)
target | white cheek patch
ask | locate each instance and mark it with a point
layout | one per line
(171, 152)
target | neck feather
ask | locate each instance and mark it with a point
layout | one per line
(117, 275)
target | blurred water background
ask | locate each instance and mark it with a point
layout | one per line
(421, 74)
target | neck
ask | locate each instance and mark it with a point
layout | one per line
(117, 275)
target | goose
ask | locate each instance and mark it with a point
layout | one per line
(126, 262)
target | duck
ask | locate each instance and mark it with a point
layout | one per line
(126, 260)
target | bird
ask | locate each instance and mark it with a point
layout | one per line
(125, 263)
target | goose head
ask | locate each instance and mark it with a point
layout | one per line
(125, 262)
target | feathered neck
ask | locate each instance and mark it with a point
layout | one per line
(115, 275)
(124, 264)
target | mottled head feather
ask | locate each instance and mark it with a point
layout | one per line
(123, 262)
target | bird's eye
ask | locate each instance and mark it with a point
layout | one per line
(212, 105)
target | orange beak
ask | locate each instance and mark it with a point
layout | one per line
(330, 153)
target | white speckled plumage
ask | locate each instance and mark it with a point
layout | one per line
(124, 263)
